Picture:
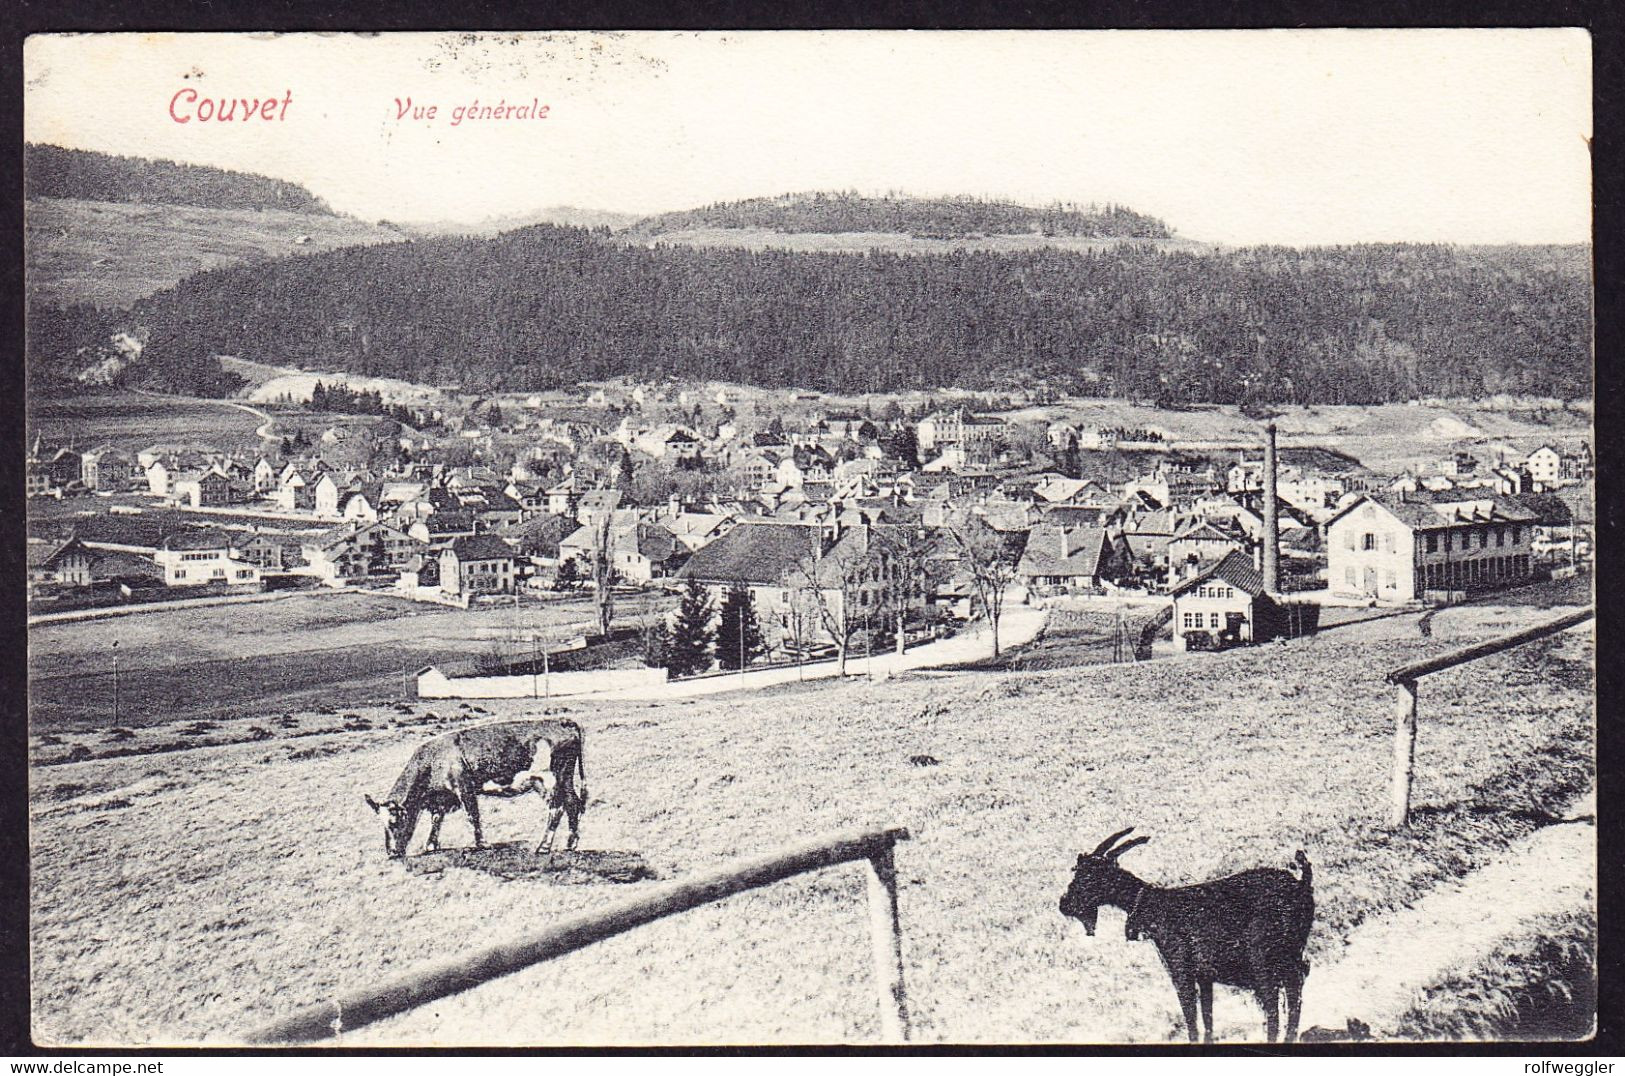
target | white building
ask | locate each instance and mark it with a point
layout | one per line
(1396, 547)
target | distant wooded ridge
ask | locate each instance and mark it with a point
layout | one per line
(55, 172)
(926, 218)
(550, 307)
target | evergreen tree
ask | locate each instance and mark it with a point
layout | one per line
(1071, 463)
(738, 633)
(568, 575)
(318, 397)
(901, 443)
(657, 646)
(624, 483)
(691, 635)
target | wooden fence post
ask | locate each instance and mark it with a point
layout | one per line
(1399, 805)
(886, 933)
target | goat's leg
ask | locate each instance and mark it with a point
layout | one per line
(1185, 987)
(1269, 997)
(1294, 1006)
(1206, 993)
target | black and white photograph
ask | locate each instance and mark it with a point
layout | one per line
(810, 538)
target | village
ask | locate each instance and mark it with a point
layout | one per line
(807, 529)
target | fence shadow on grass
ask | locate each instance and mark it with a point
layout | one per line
(518, 859)
(1532, 816)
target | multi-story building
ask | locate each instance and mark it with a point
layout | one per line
(1398, 546)
(202, 557)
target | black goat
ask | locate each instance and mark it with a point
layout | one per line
(1247, 930)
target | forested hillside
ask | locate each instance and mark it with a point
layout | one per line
(927, 218)
(549, 307)
(54, 172)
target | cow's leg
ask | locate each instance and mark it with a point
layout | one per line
(1206, 989)
(469, 793)
(561, 765)
(434, 832)
(552, 827)
(573, 806)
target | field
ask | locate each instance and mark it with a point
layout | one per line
(305, 650)
(113, 253)
(1386, 438)
(132, 421)
(259, 885)
(1076, 635)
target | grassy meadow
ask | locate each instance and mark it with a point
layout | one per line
(184, 896)
(132, 421)
(113, 253)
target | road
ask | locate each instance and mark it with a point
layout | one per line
(1019, 624)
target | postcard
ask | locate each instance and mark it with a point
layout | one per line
(811, 538)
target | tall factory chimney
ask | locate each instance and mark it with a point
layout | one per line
(1272, 527)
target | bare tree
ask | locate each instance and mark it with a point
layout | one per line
(989, 557)
(837, 584)
(603, 570)
(906, 570)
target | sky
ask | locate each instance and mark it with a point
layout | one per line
(1278, 136)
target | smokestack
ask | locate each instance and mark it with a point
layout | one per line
(1272, 528)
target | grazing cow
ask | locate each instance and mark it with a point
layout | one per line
(505, 759)
(1247, 930)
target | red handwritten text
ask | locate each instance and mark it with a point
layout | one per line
(188, 105)
(474, 111)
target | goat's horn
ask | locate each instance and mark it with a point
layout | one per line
(1125, 846)
(1109, 841)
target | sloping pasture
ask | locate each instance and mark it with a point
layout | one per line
(193, 895)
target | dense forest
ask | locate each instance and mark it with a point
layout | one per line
(54, 172)
(550, 307)
(926, 218)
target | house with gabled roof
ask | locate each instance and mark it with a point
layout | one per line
(1225, 605)
(67, 563)
(203, 489)
(106, 468)
(1398, 547)
(794, 572)
(1200, 543)
(1060, 559)
(477, 564)
(196, 558)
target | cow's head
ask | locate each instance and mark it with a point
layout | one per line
(397, 829)
(1097, 879)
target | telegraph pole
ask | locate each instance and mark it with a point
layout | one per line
(115, 683)
(533, 692)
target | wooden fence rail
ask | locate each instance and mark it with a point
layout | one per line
(1404, 680)
(362, 1007)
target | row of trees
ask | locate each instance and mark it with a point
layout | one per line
(55, 172)
(932, 218)
(687, 647)
(342, 399)
(546, 308)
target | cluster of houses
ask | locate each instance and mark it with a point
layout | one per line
(798, 507)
